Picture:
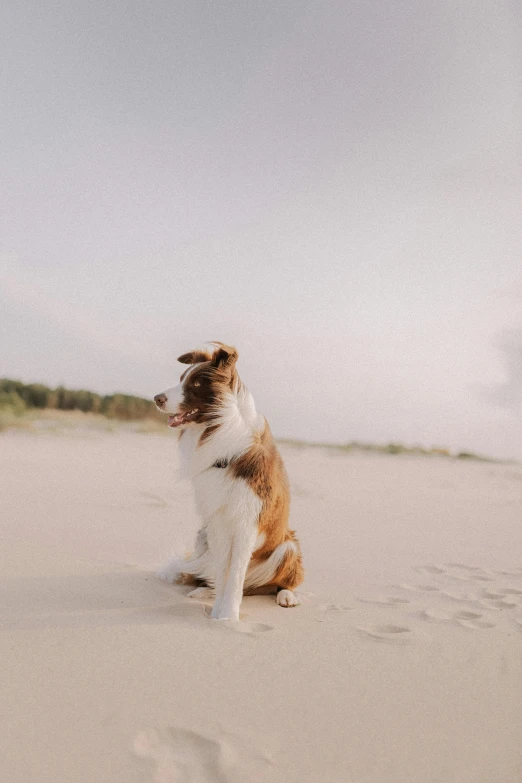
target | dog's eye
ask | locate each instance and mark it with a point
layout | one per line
(197, 383)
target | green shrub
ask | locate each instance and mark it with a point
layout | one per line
(11, 402)
(17, 397)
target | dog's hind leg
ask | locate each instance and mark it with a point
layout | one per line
(289, 575)
(281, 571)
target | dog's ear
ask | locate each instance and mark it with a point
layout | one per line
(224, 355)
(194, 357)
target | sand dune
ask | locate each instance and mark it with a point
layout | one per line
(402, 665)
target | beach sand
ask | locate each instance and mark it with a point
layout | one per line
(403, 663)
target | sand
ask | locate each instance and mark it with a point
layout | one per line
(402, 665)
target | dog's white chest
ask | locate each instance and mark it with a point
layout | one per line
(212, 491)
(217, 492)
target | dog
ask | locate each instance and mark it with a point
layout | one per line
(244, 546)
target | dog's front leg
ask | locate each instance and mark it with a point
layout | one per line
(243, 543)
(220, 547)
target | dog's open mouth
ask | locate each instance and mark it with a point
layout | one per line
(181, 418)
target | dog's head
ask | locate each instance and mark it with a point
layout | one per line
(202, 387)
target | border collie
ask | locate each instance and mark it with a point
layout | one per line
(241, 487)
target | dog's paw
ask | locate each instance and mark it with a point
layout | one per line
(223, 611)
(286, 598)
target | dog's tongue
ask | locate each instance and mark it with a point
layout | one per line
(175, 421)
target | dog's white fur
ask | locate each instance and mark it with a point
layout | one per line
(229, 507)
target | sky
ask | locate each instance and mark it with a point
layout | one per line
(333, 187)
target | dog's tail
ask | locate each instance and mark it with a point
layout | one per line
(283, 568)
(194, 569)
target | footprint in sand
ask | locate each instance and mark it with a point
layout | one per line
(326, 609)
(461, 597)
(180, 755)
(459, 571)
(505, 597)
(249, 628)
(517, 572)
(384, 600)
(240, 626)
(499, 602)
(389, 634)
(473, 620)
(414, 588)
(474, 604)
(430, 569)
(183, 756)
(472, 573)
(493, 596)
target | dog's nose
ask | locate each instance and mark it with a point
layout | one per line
(160, 399)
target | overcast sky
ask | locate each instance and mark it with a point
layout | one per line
(333, 187)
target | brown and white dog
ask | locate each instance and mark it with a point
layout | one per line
(240, 484)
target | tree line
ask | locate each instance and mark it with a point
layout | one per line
(18, 397)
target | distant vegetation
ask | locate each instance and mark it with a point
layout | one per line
(389, 448)
(17, 398)
(22, 401)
